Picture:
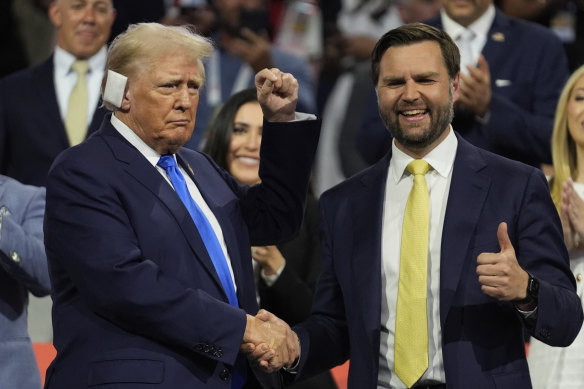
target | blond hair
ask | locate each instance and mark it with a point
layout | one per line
(563, 146)
(135, 50)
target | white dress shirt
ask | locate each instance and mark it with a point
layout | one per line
(65, 79)
(152, 156)
(398, 187)
(480, 28)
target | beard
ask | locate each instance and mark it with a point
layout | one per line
(440, 117)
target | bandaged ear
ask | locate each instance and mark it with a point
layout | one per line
(115, 86)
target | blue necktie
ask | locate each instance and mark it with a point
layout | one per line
(208, 236)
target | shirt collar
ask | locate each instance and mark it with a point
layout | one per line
(441, 158)
(63, 60)
(480, 27)
(148, 152)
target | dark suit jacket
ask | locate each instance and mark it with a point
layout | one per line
(482, 338)
(528, 67)
(32, 132)
(136, 298)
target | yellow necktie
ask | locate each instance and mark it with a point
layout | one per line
(411, 325)
(76, 119)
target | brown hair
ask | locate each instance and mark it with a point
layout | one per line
(408, 34)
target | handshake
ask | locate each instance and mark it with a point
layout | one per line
(269, 342)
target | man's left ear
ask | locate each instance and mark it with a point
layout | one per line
(125, 106)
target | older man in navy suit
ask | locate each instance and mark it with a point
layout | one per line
(148, 242)
(30, 139)
(23, 269)
(436, 295)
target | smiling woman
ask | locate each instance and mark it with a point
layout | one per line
(235, 136)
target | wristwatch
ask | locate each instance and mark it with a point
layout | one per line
(531, 292)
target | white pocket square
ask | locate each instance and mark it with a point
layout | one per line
(502, 83)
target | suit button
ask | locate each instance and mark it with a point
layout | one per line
(224, 375)
(206, 349)
(199, 347)
(545, 333)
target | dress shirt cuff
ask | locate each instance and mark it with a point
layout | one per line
(528, 314)
(301, 116)
(271, 279)
(294, 368)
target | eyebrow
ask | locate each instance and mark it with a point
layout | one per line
(419, 76)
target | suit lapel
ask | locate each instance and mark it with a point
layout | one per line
(468, 191)
(367, 216)
(497, 43)
(43, 78)
(139, 168)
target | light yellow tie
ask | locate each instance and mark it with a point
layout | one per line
(76, 120)
(411, 325)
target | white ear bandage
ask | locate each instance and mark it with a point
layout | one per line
(114, 88)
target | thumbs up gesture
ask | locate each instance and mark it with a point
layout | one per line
(499, 273)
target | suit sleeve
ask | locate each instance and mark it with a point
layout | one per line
(290, 297)
(541, 251)
(324, 336)
(22, 252)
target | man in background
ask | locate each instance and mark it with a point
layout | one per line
(64, 91)
(509, 85)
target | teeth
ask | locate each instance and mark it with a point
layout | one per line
(414, 112)
(248, 160)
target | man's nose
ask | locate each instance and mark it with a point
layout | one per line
(89, 14)
(184, 98)
(254, 141)
(411, 92)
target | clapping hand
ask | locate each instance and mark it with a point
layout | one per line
(475, 92)
(572, 216)
(269, 257)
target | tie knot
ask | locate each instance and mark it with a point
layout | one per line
(466, 35)
(418, 166)
(80, 67)
(167, 162)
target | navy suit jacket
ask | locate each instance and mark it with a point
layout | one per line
(482, 338)
(136, 299)
(32, 132)
(23, 268)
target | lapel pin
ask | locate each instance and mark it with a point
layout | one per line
(498, 37)
(190, 169)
